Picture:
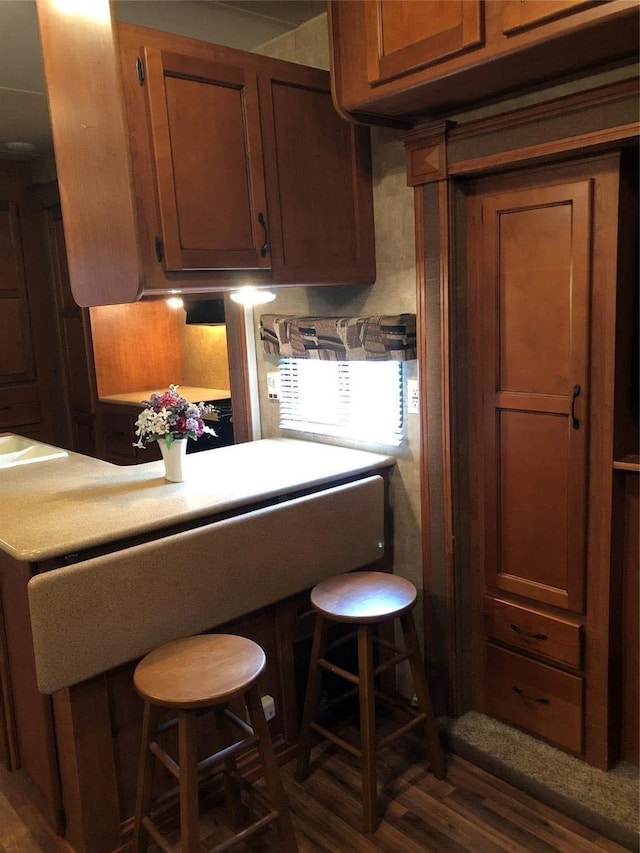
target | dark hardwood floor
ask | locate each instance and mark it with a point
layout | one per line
(470, 812)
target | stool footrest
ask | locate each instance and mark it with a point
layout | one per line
(247, 832)
(334, 738)
(338, 670)
(165, 759)
(394, 661)
(420, 719)
(155, 833)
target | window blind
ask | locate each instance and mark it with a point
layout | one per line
(360, 400)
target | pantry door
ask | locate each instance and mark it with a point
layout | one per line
(529, 294)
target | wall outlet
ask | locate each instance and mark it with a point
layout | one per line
(413, 398)
(273, 385)
(269, 707)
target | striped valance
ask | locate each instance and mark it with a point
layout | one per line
(377, 338)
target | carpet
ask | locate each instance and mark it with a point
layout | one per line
(608, 802)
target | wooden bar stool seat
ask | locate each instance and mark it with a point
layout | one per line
(368, 600)
(191, 676)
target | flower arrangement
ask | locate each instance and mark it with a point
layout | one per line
(170, 416)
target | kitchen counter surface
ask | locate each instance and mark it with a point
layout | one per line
(66, 505)
(193, 393)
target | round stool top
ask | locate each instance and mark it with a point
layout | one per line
(363, 597)
(198, 671)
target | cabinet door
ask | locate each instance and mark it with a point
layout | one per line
(518, 14)
(205, 127)
(405, 35)
(16, 352)
(318, 170)
(529, 320)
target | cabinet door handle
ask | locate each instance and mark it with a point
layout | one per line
(527, 634)
(265, 246)
(4, 408)
(575, 394)
(159, 247)
(539, 699)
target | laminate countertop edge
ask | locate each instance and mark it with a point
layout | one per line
(67, 505)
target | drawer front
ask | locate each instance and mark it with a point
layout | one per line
(552, 637)
(19, 405)
(531, 695)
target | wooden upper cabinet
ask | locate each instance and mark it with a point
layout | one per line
(205, 127)
(191, 167)
(319, 193)
(16, 351)
(405, 36)
(243, 168)
(407, 60)
(518, 14)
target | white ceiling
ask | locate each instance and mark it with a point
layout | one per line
(24, 116)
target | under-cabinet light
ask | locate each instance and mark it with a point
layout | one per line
(252, 296)
(175, 302)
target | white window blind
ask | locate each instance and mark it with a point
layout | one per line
(357, 399)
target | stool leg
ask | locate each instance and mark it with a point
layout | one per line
(367, 729)
(312, 696)
(223, 737)
(145, 777)
(436, 752)
(271, 772)
(188, 759)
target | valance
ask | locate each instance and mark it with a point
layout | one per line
(377, 338)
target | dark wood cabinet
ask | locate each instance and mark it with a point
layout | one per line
(26, 362)
(16, 351)
(403, 60)
(74, 331)
(117, 431)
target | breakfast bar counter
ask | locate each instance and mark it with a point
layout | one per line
(101, 563)
(65, 505)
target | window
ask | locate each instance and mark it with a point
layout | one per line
(348, 399)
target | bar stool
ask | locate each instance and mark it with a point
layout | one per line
(191, 676)
(367, 600)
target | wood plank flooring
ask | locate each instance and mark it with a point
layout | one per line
(469, 812)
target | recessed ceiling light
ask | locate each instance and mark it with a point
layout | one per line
(20, 146)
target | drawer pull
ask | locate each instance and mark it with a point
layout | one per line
(539, 699)
(4, 408)
(527, 634)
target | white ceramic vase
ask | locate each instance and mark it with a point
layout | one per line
(174, 458)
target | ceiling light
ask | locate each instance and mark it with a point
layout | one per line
(252, 296)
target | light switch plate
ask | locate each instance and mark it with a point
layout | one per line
(273, 385)
(413, 400)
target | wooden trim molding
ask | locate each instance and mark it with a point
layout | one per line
(587, 143)
(427, 154)
(433, 150)
(563, 106)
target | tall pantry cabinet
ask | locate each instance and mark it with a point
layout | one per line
(549, 268)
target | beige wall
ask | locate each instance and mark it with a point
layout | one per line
(393, 292)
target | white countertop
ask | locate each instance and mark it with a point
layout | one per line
(193, 393)
(66, 505)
